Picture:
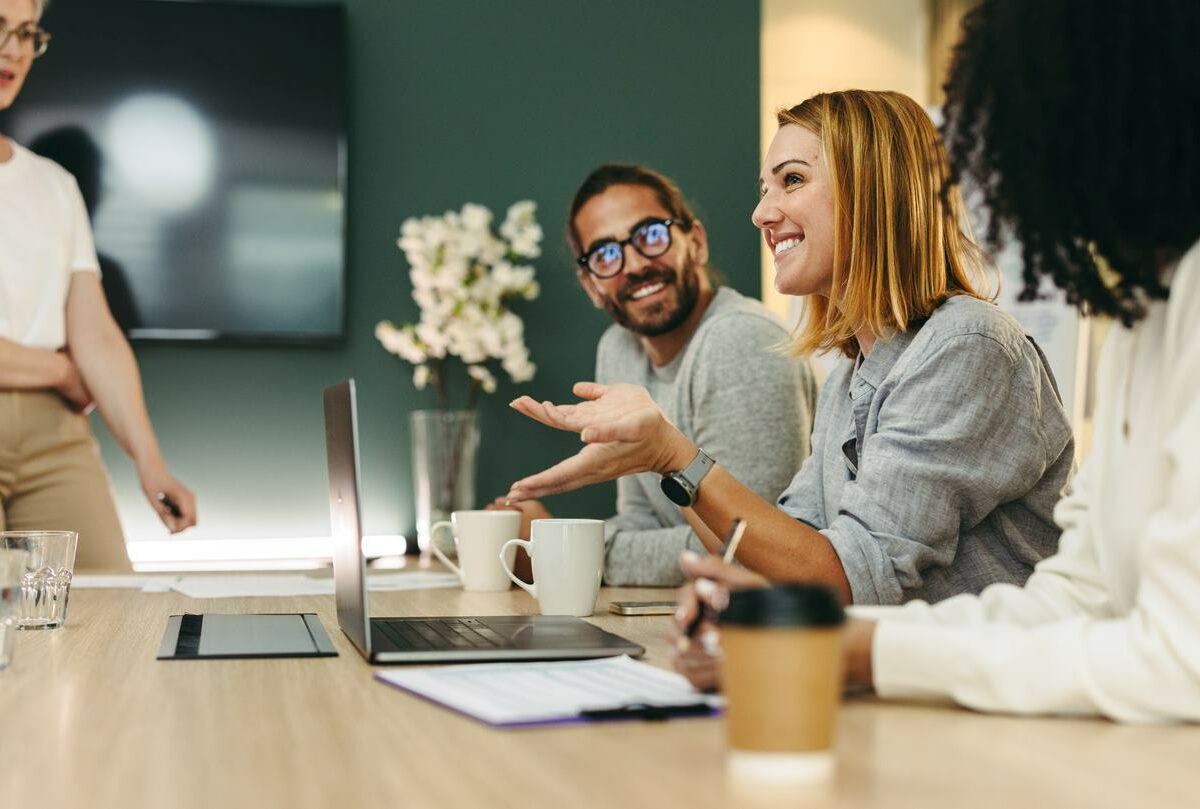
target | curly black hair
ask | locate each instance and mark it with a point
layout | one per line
(1080, 122)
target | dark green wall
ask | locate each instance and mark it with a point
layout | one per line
(453, 101)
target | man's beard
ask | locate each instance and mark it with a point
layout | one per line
(661, 318)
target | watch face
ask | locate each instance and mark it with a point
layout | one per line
(675, 491)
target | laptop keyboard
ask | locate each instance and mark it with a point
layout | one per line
(440, 633)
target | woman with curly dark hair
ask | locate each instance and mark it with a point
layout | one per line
(1081, 123)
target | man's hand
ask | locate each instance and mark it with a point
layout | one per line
(530, 510)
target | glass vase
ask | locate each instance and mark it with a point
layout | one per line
(444, 446)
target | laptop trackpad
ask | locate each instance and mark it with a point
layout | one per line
(550, 632)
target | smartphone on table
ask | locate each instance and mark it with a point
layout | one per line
(643, 607)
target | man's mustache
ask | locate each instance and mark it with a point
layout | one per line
(649, 275)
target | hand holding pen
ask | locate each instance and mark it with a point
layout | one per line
(700, 603)
(173, 502)
(709, 610)
(170, 505)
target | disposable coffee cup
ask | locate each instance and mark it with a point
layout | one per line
(781, 670)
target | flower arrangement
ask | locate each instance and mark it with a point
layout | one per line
(463, 276)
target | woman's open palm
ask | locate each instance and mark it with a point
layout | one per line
(625, 432)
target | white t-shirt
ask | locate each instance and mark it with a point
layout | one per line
(44, 237)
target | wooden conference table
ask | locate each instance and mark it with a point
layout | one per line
(88, 718)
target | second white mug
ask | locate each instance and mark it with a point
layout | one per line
(568, 561)
(479, 536)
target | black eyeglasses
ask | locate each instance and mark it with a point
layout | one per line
(28, 36)
(652, 238)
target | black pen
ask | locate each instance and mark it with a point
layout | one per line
(650, 713)
(170, 505)
(736, 529)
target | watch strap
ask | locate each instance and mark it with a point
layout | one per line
(698, 468)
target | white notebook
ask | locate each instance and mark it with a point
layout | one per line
(524, 694)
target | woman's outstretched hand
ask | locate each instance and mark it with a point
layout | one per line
(625, 433)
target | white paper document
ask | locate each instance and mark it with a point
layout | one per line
(522, 694)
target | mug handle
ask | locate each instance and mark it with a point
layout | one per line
(433, 546)
(528, 546)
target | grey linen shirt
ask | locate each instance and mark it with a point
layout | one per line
(938, 459)
(729, 392)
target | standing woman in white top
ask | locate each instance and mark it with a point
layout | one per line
(1090, 154)
(60, 350)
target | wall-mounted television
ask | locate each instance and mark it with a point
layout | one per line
(208, 139)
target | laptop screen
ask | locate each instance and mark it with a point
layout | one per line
(349, 567)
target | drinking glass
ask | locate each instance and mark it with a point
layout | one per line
(46, 581)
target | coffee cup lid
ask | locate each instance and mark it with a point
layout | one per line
(784, 605)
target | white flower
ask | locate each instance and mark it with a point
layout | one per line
(462, 274)
(521, 370)
(420, 377)
(519, 214)
(510, 327)
(483, 376)
(423, 277)
(493, 250)
(485, 291)
(437, 232)
(523, 232)
(470, 244)
(525, 243)
(522, 277)
(411, 227)
(400, 342)
(476, 217)
(491, 340)
(450, 275)
(433, 337)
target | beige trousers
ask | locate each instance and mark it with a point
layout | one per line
(52, 478)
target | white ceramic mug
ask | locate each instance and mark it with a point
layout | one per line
(479, 536)
(568, 561)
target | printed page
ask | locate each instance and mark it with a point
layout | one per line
(512, 694)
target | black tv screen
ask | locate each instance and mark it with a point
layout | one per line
(208, 141)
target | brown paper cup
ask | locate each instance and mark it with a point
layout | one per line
(782, 676)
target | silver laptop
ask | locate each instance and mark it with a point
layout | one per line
(429, 640)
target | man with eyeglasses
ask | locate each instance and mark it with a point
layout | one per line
(706, 355)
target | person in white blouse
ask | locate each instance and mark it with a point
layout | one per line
(61, 353)
(1109, 625)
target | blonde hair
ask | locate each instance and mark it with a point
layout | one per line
(899, 247)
